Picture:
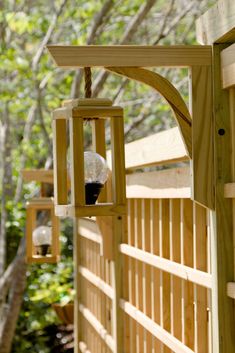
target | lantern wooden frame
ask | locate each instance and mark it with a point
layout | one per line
(72, 116)
(32, 207)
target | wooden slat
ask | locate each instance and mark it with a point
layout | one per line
(202, 162)
(97, 112)
(96, 281)
(217, 24)
(155, 329)
(39, 175)
(170, 183)
(77, 162)
(129, 55)
(88, 229)
(106, 209)
(228, 66)
(199, 277)
(160, 148)
(169, 92)
(102, 332)
(77, 258)
(60, 161)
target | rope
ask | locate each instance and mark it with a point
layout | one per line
(88, 82)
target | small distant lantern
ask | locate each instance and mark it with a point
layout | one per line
(42, 240)
(88, 170)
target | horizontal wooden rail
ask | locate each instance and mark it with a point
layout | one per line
(39, 175)
(161, 148)
(169, 183)
(190, 274)
(231, 290)
(105, 209)
(156, 330)
(228, 66)
(102, 332)
(67, 56)
(97, 281)
(88, 229)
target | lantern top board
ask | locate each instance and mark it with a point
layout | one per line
(32, 208)
(71, 116)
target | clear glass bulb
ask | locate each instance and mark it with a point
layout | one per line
(96, 169)
(42, 235)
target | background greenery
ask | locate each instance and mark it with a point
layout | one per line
(31, 87)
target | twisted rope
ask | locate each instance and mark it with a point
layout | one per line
(88, 82)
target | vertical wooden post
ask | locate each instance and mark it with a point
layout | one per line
(223, 319)
(77, 286)
(77, 162)
(60, 161)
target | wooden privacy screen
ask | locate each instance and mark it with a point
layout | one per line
(167, 283)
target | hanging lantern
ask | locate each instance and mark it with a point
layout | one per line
(88, 170)
(42, 240)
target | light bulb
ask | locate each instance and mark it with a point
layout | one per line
(96, 172)
(42, 239)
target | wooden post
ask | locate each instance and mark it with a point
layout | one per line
(222, 242)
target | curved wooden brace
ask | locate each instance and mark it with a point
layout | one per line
(169, 92)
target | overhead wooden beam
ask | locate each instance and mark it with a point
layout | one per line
(228, 66)
(129, 55)
(217, 25)
(39, 175)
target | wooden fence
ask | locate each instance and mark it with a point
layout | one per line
(165, 257)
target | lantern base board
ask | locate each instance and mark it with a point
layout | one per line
(100, 209)
(42, 259)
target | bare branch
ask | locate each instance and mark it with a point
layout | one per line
(129, 33)
(47, 37)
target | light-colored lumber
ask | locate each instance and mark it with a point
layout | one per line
(77, 162)
(39, 175)
(88, 229)
(60, 161)
(228, 66)
(231, 290)
(97, 112)
(222, 221)
(217, 25)
(155, 329)
(160, 148)
(106, 209)
(83, 347)
(77, 258)
(169, 92)
(170, 183)
(129, 55)
(202, 162)
(185, 272)
(96, 281)
(229, 190)
(102, 332)
(174, 229)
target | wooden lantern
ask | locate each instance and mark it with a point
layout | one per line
(71, 117)
(32, 208)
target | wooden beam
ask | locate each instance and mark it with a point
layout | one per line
(185, 272)
(161, 148)
(202, 164)
(129, 55)
(217, 25)
(106, 209)
(39, 175)
(170, 183)
(171, 95)
(88, 229)
(156, 330)
(228, 66)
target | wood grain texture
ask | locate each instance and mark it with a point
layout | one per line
(228, 66)
(39, 175)
(222, 250)
(202, 163)
(217, 25)
(129, 55)
(169, 92)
